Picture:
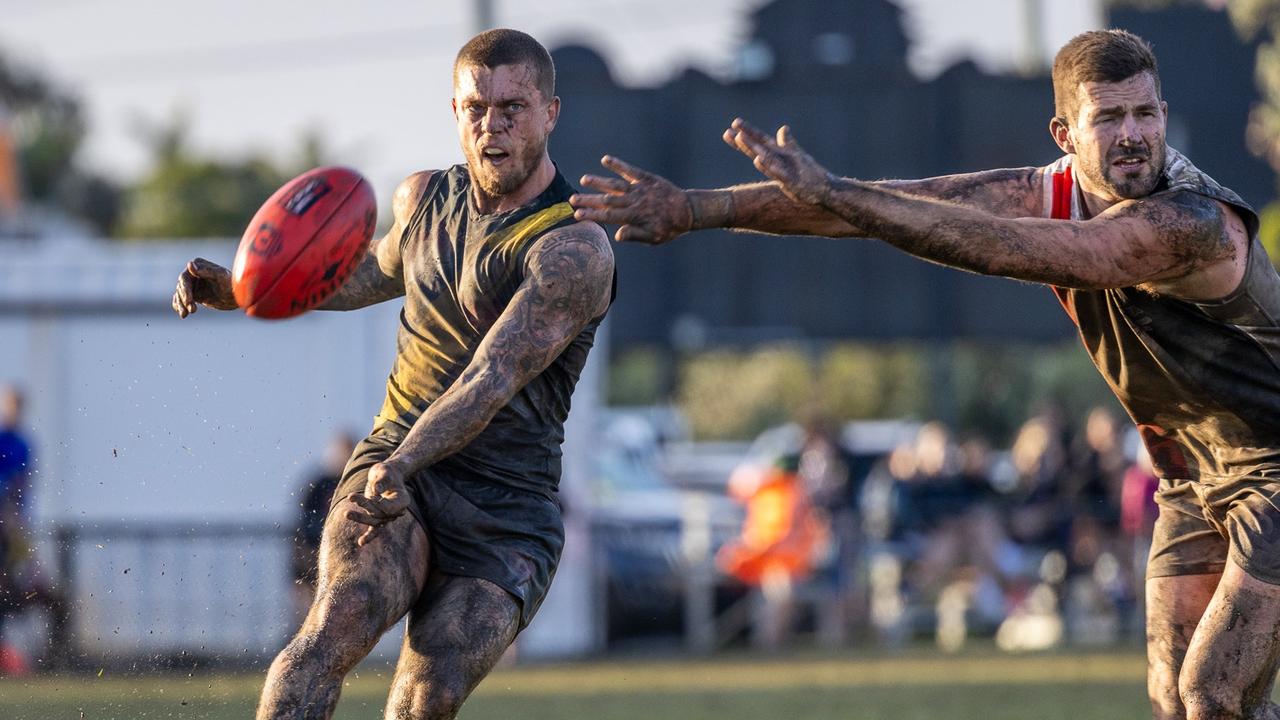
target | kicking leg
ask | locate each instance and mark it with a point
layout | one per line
(362, 592)
(1174, 607)
(1231, 664)
(457, 632)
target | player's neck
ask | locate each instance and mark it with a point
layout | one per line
(1094, 202)
(531, 188)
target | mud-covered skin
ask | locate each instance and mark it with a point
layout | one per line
(379, 276)
(1213, 646)
(652, 210)
(1174, 608)
(457, 632)
(205, 283)
(1158, 241)
(363, 590)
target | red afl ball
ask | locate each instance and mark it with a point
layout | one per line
(304, 243)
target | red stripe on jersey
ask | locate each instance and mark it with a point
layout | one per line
(1062, 195)
(1061, 210)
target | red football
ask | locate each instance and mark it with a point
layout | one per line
(304, 243)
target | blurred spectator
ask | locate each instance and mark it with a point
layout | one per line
(15, 451)
(1092, 488)
(826, 471)
(1036, 517)
(1138, 512)
(15, 459)
(313, 506)
(1098, 592)
(946, 541)
(781, 536)
(23, 583)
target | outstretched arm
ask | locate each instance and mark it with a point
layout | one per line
(653, 210)
(1132, 243)
(568, 279)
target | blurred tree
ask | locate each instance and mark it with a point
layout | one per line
(729, 394)
(636, 377)
(187, 194)
(48, 129)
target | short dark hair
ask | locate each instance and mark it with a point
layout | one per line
(1098, 56)
(502, 46)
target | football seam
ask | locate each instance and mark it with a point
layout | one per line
(319, 228)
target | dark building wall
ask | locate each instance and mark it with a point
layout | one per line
(868, 118)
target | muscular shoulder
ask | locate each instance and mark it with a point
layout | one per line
(576, 259)
(1191, 226)
(409, 193)
(1203, 244)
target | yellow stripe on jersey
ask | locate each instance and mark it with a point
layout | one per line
(511, 239)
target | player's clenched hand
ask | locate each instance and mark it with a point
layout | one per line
(385, 498)
(203, 283)
(650, 208)
(782, 159)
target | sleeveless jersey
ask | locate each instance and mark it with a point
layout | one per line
(461, 269)
(1201, 380)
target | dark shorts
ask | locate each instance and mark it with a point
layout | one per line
(1202, 523)
(477, 527)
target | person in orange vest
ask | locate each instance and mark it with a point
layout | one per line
(781, 533)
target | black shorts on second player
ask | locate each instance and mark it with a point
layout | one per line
(476, 527)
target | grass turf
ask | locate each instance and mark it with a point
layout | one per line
(981, 686)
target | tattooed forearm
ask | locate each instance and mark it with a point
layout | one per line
(568, 280)
(368, 285)
(1133, 242)
(765, 208)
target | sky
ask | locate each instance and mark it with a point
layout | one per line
(373, 77)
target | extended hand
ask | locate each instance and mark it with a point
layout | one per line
(203, 283)
(650, 208)
(385, 498)
(783, 160)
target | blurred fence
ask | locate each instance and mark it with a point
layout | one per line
(164, 592)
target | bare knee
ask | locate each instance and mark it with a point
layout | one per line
(422, 697)
(1162, 689)
(1206, 699)
(339, 631)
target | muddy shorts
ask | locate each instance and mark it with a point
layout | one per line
(477, 527)
(1206, 521)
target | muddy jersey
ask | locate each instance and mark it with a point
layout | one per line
(461, 269)
(1200, 379)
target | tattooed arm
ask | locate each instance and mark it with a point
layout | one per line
(379, 276)
(568, 279)
(1182, 240)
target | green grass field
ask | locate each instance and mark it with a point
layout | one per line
(981, 685)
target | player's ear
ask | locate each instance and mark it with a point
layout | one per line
(453, 104)
(553, 113)
(1061, 132)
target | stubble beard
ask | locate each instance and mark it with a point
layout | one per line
(1124, 185)
(498, 182)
